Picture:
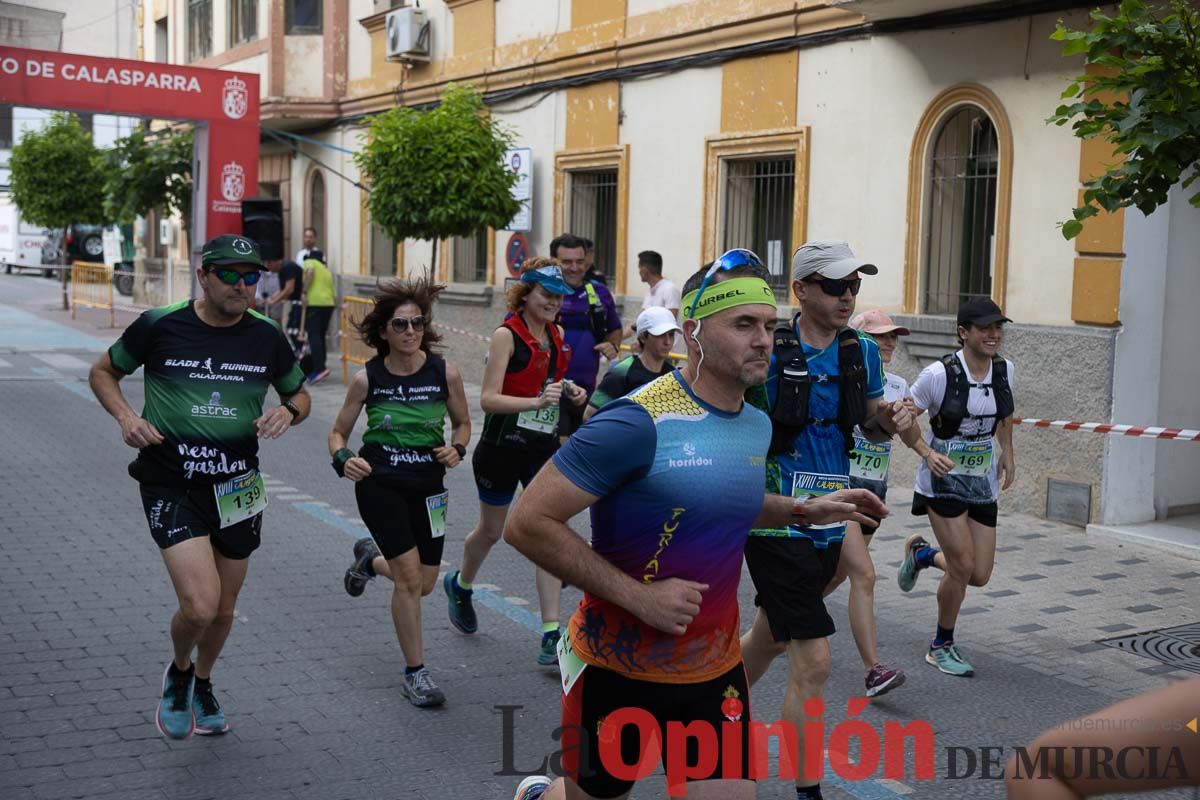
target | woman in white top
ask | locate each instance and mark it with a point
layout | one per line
(968, 395)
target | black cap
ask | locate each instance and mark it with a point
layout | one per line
(316, 253)
(980, 311)
(229, 249)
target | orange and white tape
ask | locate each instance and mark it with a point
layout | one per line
(1141, 431)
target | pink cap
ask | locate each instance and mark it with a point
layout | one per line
(875, 321)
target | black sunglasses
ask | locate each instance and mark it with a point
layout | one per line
(232, 276)
(400, 324)
(837, 288)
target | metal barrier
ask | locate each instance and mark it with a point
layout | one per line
(354, 350)
(92, 287)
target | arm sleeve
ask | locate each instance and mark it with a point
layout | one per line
(610, 309)
(611, 449)
(129, 352)
(874, 364)
(288, 377)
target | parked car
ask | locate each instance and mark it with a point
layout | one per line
(86, 243)
(22, 246)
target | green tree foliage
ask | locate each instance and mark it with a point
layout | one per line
(147, 172)
(56, 178)
(438, 173)
(1143, 95)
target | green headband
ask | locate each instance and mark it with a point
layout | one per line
(741, 291)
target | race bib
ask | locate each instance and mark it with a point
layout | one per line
(435, 506)
(539, 420)
(970, 458)
(240, 498)
(816, 484)
(570, 665)
(869, 460)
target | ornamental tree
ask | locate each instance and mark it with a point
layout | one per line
(149, 172)
(1142, 93)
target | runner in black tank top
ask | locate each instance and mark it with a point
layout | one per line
(408, 392)
(522, 385)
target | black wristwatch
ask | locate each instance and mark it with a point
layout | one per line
(461, 449)
(290, 406)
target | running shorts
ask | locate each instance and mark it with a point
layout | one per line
(790, 576)
(498, 470)
(176, 514)
(402, 516)
(983, 513)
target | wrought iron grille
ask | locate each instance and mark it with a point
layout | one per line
(593, 215)
(961, 212)
(759, 212)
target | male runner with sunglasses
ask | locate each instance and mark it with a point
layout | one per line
(673, 474)
(209, 363)
(824, 379)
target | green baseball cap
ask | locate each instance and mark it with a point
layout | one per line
(228, 249)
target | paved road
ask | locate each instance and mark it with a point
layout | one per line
(310, 677)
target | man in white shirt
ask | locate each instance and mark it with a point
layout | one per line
(310, 244)
(663, 293)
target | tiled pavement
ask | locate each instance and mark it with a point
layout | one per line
(310, 675)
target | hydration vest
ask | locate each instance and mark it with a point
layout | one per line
(789, 415)
(953, 409)
(529, 380)
(597, 317)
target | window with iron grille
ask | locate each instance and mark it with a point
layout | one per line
(383, 253)
(592, 214)
(243, 21)
(759, 212)
(468, 254)
(961, 211)
(303, 16)
(6, 126)
(199, 29)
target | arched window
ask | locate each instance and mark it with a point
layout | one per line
(959, 195)
(316, 206)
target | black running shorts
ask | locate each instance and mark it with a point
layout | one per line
(983, 513)
(790, 576)
(723, 703)
(498, 470)
(178, 514)
(399, 518)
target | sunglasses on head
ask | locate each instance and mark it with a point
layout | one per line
(837, 288)
(731, 259)
(232, 276)
(400, 324)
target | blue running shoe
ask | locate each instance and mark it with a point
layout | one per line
(532, 787)
(909, 568)
(210, 719)
(175, 719)
(462, 612)
(548, 654)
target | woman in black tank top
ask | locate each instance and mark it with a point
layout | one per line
(408, 392)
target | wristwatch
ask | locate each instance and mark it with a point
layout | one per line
(461, 449)
(290, 406)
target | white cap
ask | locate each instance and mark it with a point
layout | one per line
(656, 321)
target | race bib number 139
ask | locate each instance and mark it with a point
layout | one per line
(240, 498)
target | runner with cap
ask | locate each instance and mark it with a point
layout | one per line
(969, 397)
(208, 365)
(825, 380)
(673, 475)
(522, 388)
(656, 329)
(399, 473)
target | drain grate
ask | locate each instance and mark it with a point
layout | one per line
(1178, 647)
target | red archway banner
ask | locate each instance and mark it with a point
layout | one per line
(225, 103)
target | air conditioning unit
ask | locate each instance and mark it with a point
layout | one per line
(408, 34)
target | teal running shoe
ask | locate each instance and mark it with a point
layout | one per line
(909, 569)
(462, 613)
(175, 719)
(548, 655)
(210, 719)
(947, 659)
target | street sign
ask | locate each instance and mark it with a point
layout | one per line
(520, 161)
(515, 253)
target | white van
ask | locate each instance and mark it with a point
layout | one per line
(20, 243)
